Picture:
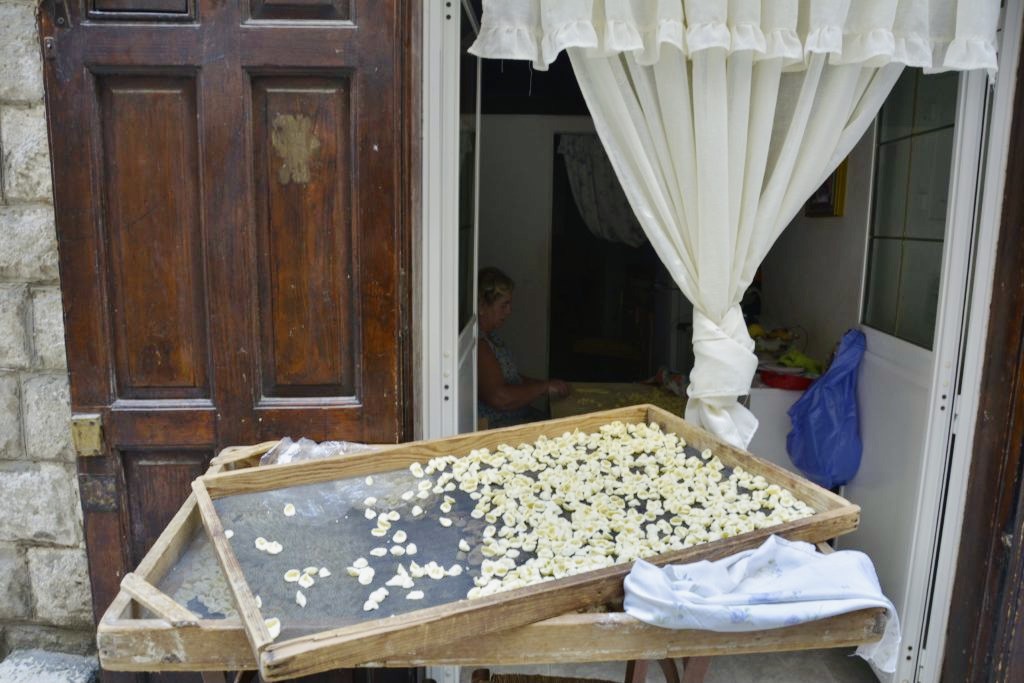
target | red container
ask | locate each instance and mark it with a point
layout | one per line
(778, 380)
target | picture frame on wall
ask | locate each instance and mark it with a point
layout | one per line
(829, 200)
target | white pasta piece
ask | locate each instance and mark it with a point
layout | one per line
(300, 599)
(435, 572)
(352, 571)
(445, 507)
(424, 485)
(259, 602)
(411, 549)
(292, 575)
(416, 511)
(379, 552)
(370, 605)
(306, 580)
(261, 543)
(360, 563)
(416, 469)
(370, 501)
(399, 536)
(414, 595)
(394, 515)
(463, 545)
(369, 514)
(444, 521)
(397, 550)
(228, 533)
(274, 548)
(289, 510)
(369, 481)
(324, 572)
(366, 576)
(311, 570)
(455, 570)
(378, 532)
(273, 627)
(423, 495)
(408, 495)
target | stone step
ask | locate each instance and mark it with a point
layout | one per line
(41, 666)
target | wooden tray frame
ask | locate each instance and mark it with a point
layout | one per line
(442, 626)
(128, 642)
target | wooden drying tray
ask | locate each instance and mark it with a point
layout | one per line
(443, 626)
(168, 642)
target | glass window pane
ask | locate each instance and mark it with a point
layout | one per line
(919, 292)
(898, 110)
(931, 156)
(936, 101)
(883, 283)
(891, 188)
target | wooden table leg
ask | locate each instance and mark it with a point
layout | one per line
(636, 671)
(695, 669)
(669, 669)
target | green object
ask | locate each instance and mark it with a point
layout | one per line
(799, 359)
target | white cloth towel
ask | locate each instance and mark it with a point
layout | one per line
(781, 583)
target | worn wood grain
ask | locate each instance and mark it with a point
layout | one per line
(157, 602)
(245, 601)
(153, 645)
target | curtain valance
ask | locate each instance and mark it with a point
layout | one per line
(935, 35)
(716, 147)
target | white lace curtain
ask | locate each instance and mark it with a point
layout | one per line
(721, 117)
(596, 190)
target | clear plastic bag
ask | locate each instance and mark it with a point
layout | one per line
(306, 449)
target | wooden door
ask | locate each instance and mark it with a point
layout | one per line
(232, 185)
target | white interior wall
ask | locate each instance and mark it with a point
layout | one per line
(813, 276)
(516, 164)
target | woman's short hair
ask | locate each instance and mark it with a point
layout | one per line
(493, 284)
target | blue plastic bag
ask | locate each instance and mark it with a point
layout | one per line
(825, 443)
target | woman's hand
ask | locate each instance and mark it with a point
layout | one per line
(558, 388)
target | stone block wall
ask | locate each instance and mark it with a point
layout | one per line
(44, 584)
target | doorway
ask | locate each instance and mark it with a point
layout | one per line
(523, 223)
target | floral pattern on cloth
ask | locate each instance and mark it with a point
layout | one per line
(781, 583)
(599, 197)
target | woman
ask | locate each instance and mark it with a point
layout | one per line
(504, 395)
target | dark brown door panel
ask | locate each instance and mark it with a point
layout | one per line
(233, 190)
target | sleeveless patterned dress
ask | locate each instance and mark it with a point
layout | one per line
(505, 418)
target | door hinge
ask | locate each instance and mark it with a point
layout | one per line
(87, 434)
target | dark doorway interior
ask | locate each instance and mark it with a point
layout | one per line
(602, 297)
